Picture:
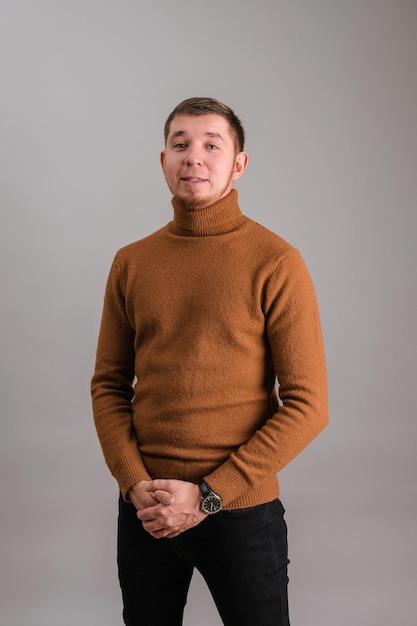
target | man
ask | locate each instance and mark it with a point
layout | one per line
(200, 320)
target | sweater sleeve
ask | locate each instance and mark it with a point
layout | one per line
(112, 387)
(294, 335)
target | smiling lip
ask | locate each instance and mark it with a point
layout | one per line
(193, 179)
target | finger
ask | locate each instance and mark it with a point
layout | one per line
(148, 514)
(163, 497)
(163, 533)
(154, 529)
(158, 523)
(159, 483)
(172, 535)
(157, 530)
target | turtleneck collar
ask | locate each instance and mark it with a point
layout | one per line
(219, 218)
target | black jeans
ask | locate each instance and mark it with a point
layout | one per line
(241, 554)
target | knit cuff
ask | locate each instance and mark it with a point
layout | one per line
(128, 472)
(236, 492)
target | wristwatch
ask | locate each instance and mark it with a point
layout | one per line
(211, 503)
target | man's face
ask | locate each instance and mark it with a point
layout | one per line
(200, 161)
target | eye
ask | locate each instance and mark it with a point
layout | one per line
(212, 146)
(180, 146)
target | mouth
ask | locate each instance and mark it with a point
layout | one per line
(193, 179)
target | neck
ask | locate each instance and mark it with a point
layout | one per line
(221, 217)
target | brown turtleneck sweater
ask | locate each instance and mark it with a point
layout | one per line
(199, 319)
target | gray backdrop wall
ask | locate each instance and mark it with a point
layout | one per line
(328, 94)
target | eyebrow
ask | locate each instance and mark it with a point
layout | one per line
(212, 135)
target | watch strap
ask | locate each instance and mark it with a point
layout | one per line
(204, 489)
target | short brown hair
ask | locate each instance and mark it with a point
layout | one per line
(205, 106)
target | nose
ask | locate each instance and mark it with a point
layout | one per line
(193, 157)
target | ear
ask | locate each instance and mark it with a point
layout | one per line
(162, 160)
(241, 163)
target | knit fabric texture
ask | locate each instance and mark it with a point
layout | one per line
(202, 322)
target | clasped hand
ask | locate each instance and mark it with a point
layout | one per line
(167, 507)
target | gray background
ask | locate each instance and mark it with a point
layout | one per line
(327, 92)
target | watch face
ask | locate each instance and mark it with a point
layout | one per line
(211, 504)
